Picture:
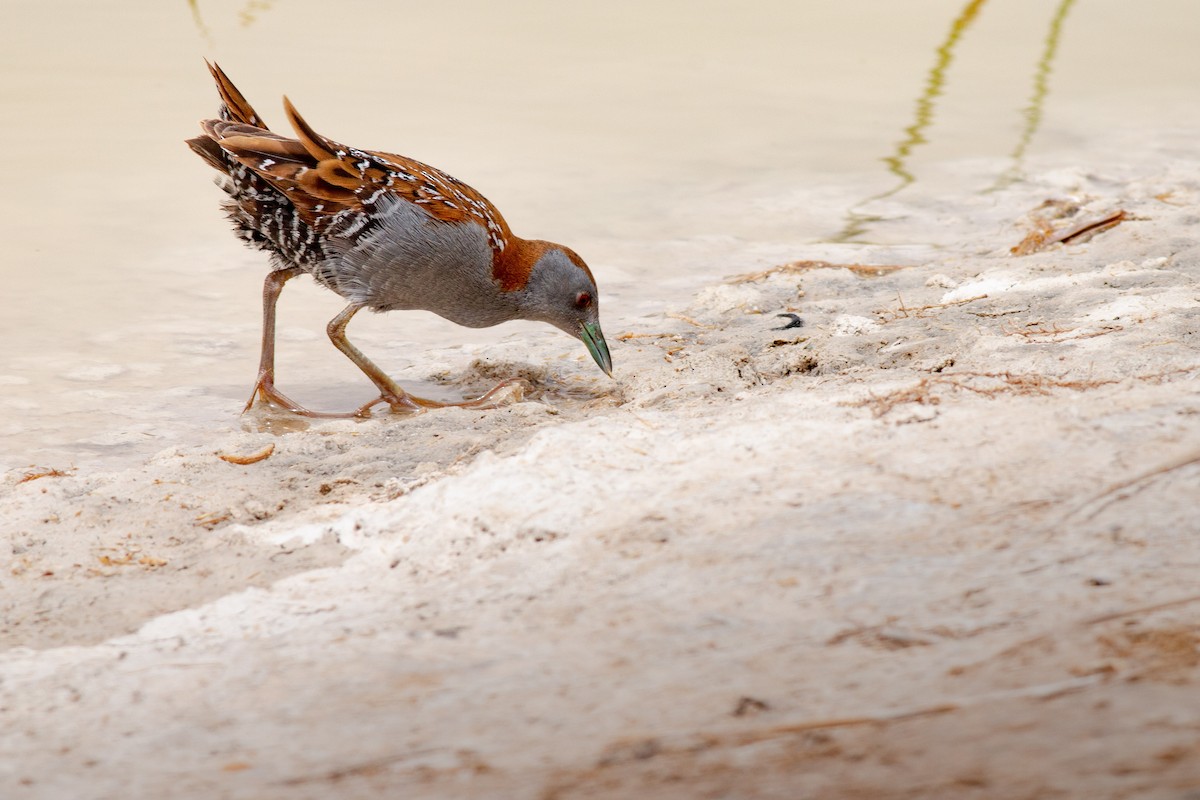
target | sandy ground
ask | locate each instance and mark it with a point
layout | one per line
(940, 541)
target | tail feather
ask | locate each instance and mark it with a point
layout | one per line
(211, 152)
(253, 145)
(239, 122)
(318, 146)
(311, 177)
(236, 108)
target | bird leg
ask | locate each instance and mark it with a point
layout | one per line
(265, 386)
(389, 391)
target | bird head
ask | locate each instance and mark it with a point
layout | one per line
(560, 290)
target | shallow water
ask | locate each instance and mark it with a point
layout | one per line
(669, 143)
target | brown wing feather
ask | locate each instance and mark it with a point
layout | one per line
(446, 197)
(288, 165)
(324, 179)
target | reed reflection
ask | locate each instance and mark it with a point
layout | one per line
(859, 221)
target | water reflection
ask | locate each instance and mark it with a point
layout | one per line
(246, 17)
(934, 86)
(1041, 86)
(198, 21)
(857, 221)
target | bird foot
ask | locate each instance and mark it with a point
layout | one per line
(502, 394)
(266, 394)
(506, 393)
(400, 402)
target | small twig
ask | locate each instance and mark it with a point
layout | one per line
(1094, 334)
(690, 321)
(1030, 332)
(903, 311)
(1091, 228)
(253, 458)
(1044, 235)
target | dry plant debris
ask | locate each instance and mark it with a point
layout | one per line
(792, 267)
(625, 337)
(1044, 235)
(253, 458)
(904, 312)
(212, 519)
(1055, 334)
(132, 558)
(990, 385)
(42, 473)
(690, 321)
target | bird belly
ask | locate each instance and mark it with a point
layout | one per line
(407, 259)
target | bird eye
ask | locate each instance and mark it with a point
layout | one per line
(583, 300)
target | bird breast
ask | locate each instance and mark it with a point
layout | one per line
(401, 257)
